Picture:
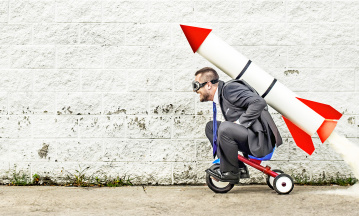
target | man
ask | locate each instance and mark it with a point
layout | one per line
(248, 128)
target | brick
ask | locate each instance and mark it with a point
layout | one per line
(148, 34)
(262, 11)
(79, 103)
(16, 80)
(240, 34)
(345, 11)
(154, 150)
(125, 103)
(56, 80)
(189, 127)
(126, 57)
(309, 11)
(333, 34)
(79, 57)
(102, 126)
(316, 80)
(4, 172)
(32, 11)
(167, 57)
(104, 80)
(185, 173)
(183, 80)
(128, 11)
(16, 150)
(104, 34)
(287, 34)
(348, 126)
(152, 80)
(3, 103)
(20, 169)
(40, 57)
(345, 56)
(64, 34)
(52, 171)
(265, 57)
(205, 108)
(307, 56)
(55, 126)
(26, 103)
(84, 150)
(15, 34)
(5, 57)
(171, 11)
(149, 127)
(4, 11)
(172, 103)
(204, 151)
(78, 11)
(145, 173)
(218, 11)
(282, 152)
(16, 126)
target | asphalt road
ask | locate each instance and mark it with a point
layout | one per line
(174, 200)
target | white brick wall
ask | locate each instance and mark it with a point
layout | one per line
(106, 83)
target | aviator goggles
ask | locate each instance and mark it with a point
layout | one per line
(196, 85)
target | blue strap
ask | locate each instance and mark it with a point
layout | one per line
(214, 129)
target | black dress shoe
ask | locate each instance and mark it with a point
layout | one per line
(244, 173)
(230, 177)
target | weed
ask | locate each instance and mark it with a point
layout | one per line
(80, 179)
(18, 178)
(36, 179)
(305, 179)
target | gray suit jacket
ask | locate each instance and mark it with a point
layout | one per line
(239, 101)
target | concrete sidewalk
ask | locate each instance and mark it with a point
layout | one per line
(174, 200)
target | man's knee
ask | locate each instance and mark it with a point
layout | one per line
(209, 128)
(224, 128)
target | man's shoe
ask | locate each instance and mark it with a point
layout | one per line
(244, 173)
(230, 177)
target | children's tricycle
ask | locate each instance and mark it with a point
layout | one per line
(276, 179)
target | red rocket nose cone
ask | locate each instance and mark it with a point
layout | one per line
(195, 35)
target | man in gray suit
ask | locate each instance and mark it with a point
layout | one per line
(248, 126)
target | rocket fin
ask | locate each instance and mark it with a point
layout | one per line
(301, 138)
(324, 110)
(195, 36)
(326, 129)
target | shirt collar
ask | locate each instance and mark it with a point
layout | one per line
(215, 98)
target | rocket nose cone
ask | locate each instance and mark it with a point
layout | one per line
(195, 35)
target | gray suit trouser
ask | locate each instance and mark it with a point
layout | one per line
(231, 138)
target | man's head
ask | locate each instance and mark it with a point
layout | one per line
(206, 88)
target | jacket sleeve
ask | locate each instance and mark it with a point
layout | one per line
(240, 96)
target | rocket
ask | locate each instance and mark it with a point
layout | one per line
(303, 117)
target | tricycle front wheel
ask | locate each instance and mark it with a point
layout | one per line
(215, 185)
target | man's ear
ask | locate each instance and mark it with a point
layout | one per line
(209, 85)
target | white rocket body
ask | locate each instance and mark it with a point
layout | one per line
(279, 97)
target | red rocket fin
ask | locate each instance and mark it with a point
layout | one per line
(301, 138)
(195, 35)
(324, 110)
(326, 129)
